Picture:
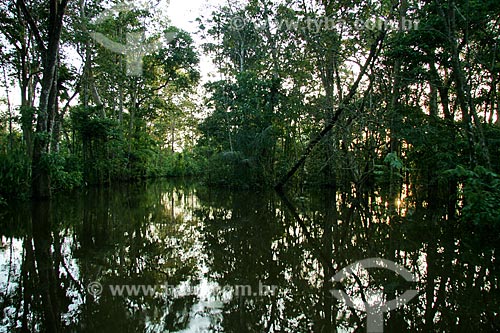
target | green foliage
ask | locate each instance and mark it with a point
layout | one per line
(393, 166)
(394, 161)
(109, 154)
(102, 147)
(481, 195)
(242, 130)
(14, 175)
(183, 164)
(65, 172)
(233, 168)
(91, 126)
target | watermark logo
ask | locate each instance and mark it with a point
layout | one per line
(375, 311)
(136, 46)
(96, 289)
(316, 25)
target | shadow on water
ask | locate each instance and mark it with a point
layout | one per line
(174, 257)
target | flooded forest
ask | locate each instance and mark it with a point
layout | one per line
(249, 166)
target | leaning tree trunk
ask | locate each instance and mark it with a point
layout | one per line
(375, 48)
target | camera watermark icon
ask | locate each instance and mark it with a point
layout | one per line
(375, 311)
(136, 46)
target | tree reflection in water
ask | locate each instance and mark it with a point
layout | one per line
(205, 239)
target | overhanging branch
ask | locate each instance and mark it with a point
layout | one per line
(374, 50)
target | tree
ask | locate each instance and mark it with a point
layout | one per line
(48, 42)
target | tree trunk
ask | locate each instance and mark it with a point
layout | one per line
(375, 48)
(40, 182)
(9, 108)
(464, 94)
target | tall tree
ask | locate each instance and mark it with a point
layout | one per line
(48, 43)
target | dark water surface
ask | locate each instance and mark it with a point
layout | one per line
(173, 257)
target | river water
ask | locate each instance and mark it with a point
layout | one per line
(170, 256)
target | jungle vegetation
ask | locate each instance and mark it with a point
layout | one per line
(307, 93)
